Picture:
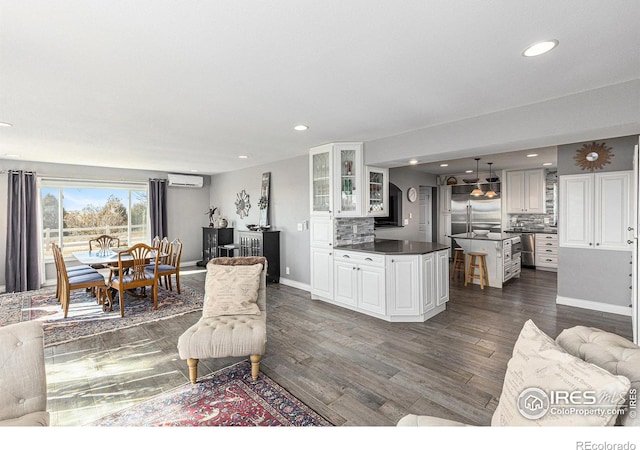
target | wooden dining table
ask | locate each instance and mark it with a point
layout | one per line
(109, 258)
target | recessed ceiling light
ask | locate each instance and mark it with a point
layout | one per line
(532, 155)
(413, 162)
(547, 164)
(193, 170)
(468, 171)
(540, 47)
(10, 155)
(301, 127)
(243, 156)
(444, 165)
(5, 124)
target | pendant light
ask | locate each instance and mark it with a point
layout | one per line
(477, 192)
(490, 193)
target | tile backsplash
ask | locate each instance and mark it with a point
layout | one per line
(550, 219)
(344, 234)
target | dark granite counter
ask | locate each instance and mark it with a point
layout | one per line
(489, 237)
(394, 247)
(534, 230)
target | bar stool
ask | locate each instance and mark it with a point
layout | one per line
(459, 265)
(478, 261)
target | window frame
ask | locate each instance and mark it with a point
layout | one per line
(68, 183)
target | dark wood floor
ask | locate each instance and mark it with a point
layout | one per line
(349, 367)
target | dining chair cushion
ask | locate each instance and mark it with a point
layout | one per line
(77, 273)
(80, 268)
(161, 268)
(86, 278)
(231, 290)
(128, 278)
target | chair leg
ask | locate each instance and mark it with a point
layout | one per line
(255, 366)
(121, 299)
(155, 296)
(65, 301)
(193, 369)
(178, 281)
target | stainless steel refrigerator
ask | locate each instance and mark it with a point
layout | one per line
(474, 213)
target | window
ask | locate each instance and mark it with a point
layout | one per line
(74, 212)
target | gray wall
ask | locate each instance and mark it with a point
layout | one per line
(404, 178)
(596, 275)
(186, 206)
(288, 206)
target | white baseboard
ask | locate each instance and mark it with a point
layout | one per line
(188, 263)
(295, 284)
(595, 306)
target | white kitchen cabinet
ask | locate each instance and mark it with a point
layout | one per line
(444, 230)
(376, 191)
(321, 237)
(546, 251)
(525, 191)
(595, 211)
(403, 278)
(360, 281)
(345, 275)
(444, 199)
(321, 273)
(347, 183)
(442, 277)
(429, 279)
(321, 180)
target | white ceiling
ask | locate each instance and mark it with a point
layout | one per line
(191, 85)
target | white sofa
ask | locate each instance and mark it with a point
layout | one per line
(23, 383)
(618, 356)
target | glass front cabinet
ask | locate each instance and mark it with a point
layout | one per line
(336, 172)
(321, 171)
(376, 191)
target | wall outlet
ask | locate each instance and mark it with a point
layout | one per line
(287, 271)
(406, 221)
(355, 228)
(300, 227)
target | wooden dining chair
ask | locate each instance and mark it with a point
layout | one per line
(71, 271)
(171, 266)
(132, 272)
(104, 242)
(93, 280)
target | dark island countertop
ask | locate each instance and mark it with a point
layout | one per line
(394, 247)
(489, 237)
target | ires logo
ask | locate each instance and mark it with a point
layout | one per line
(534, 403)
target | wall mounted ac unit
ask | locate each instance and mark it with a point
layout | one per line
(178, 180)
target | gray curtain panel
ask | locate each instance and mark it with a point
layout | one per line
(158, 207)
(22, 264)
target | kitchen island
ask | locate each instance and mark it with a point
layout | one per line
(393, 280)
(503, 254)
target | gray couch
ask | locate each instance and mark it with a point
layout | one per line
(608, 351)
(23, 383)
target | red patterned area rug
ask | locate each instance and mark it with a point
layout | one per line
(228, 397)
(86, 317)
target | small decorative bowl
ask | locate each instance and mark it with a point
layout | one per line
(470, 180)
(481, 232)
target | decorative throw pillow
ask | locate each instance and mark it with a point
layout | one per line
(544, 385)
(231, 290)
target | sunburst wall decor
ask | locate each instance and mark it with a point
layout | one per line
(593, 156)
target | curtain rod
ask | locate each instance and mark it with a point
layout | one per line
(90, 180)
(12, 170)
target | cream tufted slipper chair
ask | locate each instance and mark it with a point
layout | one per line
(234, 315)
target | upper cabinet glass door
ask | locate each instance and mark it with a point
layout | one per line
(321, 186)
(349, 182)
(377, 191)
